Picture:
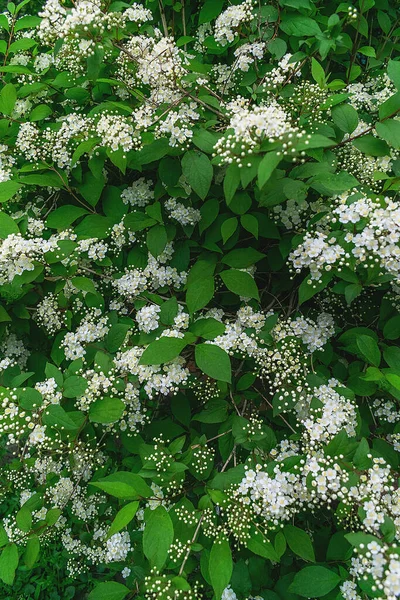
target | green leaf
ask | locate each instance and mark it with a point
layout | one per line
(55, 416)
(393, 70)
(318, 73)
(158, 536)
(156, 240)
(106, 410)
(367, 51)
(199, 294)
(94, 226)
(137, 221)
(345, 117)
(8, 563)
(124, 485)
(266, 167)
(75, 386)
(198, 170)
(207, 328)
(231, 182)
(259, 545)
(163, 350)
(40, 112)
(122, 518)
(240, 283)
(8, 98)
(371, 146)
(83, 283)
(220, 567)
(250, 224)
(8, 189)
(389, 130)
(109, 590)
(314, 582)
(210, 10)
(24, 519)
(168, 311)
(241, 258)
(228, 228)
(116, 336)
(391, 330)
(64, 216)
(369, 349)
(7, 226)
(299, 26)
(299, 542)
(213, 361)
(27, 22)
(31, 551)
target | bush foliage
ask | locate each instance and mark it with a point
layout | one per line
(199, 300)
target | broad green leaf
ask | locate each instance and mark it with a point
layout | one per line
(116, 336)
(163, 350)
(266, 167)
(393, 70)
(7, 226)
(300, 26)
(8, 563)
(199, 294)
(156, 239)
(213, 361)
(314, 582)
(345, 117)
(198, 170)
(8, 189)
(241, 258)
(369, 349)
(207, 328)
(231, 182)
(299, 542)
(240, 283)
(109, 590)
(55, 416)
(157, 536)
(220, 566)
(123, 485)
(389, 130)
(75, 386)
(228, 228)
(24, 519)
(123, 517)
(106, 410)
(318, 72)
(64, 216)
(32, 549)
(8, 98)
(40, 112)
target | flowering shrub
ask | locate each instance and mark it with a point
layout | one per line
(199, 300)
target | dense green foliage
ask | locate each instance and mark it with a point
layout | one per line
(199, 300)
